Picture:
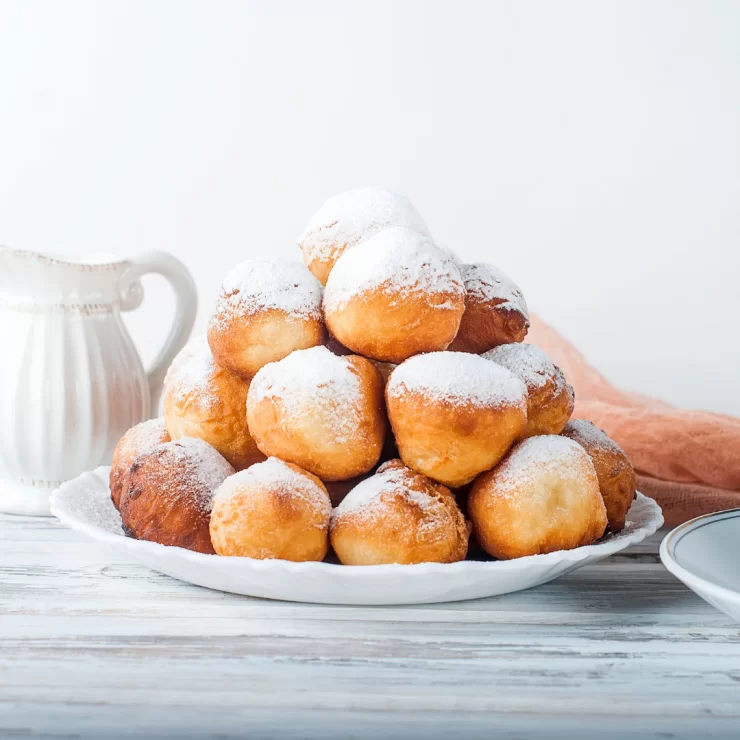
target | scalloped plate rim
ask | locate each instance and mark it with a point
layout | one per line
(147, 552)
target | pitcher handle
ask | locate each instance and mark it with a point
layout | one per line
(186, 307)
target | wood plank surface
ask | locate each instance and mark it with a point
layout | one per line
(92, 647)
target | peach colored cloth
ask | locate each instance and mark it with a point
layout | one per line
(688, 461)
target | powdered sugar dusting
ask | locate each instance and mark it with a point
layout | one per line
(391, 478)
(459, 378)
(260, 284)
(141, 438)
(201, 469)
(453, 255)
(491, 284)
(92, 506)
(580, 429)
(535, 456)
(192, 370)
(527, 362)
(275, 475)
(396, 261)
(311, 378)
(352, 217)
(368, 490)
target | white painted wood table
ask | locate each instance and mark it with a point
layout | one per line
(94, 647)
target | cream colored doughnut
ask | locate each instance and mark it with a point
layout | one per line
(320, 411)
(266, 309)
(454, 414)
(272, 510)
(170, 491)
(550, 399)
(350, 218)
(137, 440)
(543, 497)
(495, 310)
(396, 297)
(209, 402)
(398, 516)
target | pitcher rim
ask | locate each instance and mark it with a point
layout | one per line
(112, 263)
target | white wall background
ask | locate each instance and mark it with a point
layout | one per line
(592, 149)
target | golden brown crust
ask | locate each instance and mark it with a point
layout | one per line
(549, 407)
(137, 440)
(410, 520)
(306, 435)
(450, 442)
(544, 496)
(273, 510)
(244, 343)
(382, 327)
(168, 499)
(614, 470)
(489, 323)
(206, 401)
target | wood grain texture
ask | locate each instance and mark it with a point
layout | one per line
(94, 647)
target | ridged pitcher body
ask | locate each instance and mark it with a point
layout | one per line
(71, 380)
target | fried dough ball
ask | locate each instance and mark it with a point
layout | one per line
(137, 440)
(495, 310)
(169, 495)
(397, 296)
(319, 411)
(613, 469)
(454, 414)
(272, 510)
(338, 489)
(543, 497)
(398, 516)
(266, 309)
(206, 401)
(550, 399)
(350, 218)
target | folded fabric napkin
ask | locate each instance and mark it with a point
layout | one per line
(688, 461)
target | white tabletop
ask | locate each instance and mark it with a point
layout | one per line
(94, 647)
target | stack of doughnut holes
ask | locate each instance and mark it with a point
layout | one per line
(377, 401)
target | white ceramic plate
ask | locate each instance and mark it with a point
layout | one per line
(84, 504)
(704, 553)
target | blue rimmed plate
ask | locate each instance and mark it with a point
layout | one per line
(704, 553)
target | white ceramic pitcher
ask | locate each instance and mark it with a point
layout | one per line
(71, 381)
